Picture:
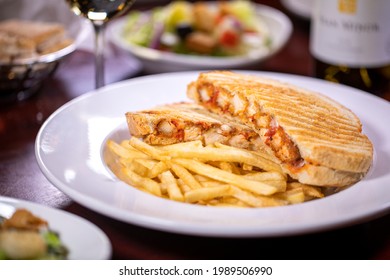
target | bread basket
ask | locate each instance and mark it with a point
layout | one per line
(21, 78)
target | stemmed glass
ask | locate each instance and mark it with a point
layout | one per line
(99, 12)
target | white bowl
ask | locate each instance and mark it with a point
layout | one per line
(155, 61)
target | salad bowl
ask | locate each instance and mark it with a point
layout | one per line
(157, 60)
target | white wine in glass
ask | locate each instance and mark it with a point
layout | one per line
(99, 12)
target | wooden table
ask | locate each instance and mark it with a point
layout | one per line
(20, 176)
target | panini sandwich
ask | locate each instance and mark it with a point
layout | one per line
(183, 122)
(317, 140)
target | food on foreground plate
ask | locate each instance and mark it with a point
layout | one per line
(250, 142)
(223, 28)
(25, 236)
(317, 140)
(23, 39)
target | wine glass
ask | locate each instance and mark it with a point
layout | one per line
(99, 12)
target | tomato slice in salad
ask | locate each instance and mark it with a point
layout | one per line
(229, 38)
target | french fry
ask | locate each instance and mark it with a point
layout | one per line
(123, 152)
(147, 163)
(230, 167)
(260, 160)
(272, 178)
(228, 202)
(138, 167)
(157, 169)
(307, 189)
(253, 200)
(212, 184)
(125, 144)
(206, 193)
(216, 175)
(140, 182)
(186, 176)
(230, 154)
(223, 176)
(182, 145)
(279, 184)
(184, 187)
(149, 150)
(266, 176)
(170, 184)
(247, 167)
(201, 178)
(292, 196)
(146, 167)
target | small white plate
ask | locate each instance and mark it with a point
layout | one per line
(84, 240)
(155, 61)
(69, 150)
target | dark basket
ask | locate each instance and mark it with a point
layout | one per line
(21, 79)
(18, 82)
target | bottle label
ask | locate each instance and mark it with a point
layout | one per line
(354, 33)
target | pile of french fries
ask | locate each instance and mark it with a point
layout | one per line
(213, 175)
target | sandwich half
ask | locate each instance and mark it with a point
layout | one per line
(183, 122)
(317, 140)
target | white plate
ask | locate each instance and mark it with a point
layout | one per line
(69, 152)
(156, 61)
(84, 240)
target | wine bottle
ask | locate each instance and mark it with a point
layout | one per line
(350, 43)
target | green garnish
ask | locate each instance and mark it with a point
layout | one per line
(55, 248)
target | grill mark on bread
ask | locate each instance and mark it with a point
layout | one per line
(315, 138)
(286, 98)
(323, 116)
(318, 123)
(324, 133)
(270, 132)
(268, 89)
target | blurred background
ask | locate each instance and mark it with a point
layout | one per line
(72, 74)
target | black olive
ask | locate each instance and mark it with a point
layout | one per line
(183, 30)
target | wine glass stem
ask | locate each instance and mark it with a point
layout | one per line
(99, 54)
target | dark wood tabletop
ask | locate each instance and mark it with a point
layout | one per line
(20, 176)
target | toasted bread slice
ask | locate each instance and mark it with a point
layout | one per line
(38, 32)
(41, 37)
(318, 140)
(183, 122)
(13, 47)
